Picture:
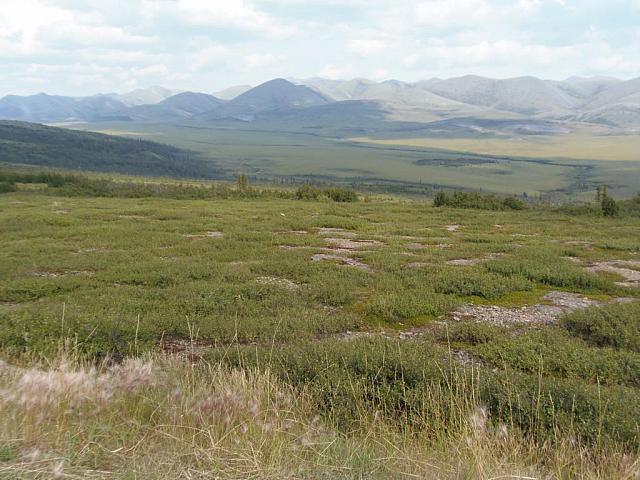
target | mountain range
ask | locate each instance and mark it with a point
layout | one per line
(603, 101)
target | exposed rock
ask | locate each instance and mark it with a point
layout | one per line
(560, 302)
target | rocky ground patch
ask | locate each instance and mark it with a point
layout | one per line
(555, 304)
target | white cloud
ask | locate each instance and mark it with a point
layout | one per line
(261, 60)
(367, 47)
(237, 14)
(336, 72)
(209, 55)
(36, 26)
(73, 46)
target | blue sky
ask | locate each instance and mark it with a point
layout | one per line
(79, 47)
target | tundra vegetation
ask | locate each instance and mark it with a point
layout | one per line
(157, 329)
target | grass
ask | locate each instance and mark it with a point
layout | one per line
(165, 418)
(304, 375)
(294, 153)
(581, 145)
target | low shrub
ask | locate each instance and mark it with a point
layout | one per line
(338, 194)
(353, 381)
(615, 326)
(548, 269)
(467, 283)
(472, 333)
(477, 200)
(6, 187)
(308, 192)
(554, 353)
(399, 307)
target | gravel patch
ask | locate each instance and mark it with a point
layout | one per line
(350, 244)
(560, 303)
(278, 282)
(464, 262)
(619, 267)
(346, 261)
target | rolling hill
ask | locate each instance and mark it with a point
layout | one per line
(34, 144)
(53, 108)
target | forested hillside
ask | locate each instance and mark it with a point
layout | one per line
(34, 144)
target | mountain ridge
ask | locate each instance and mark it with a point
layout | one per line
(601, 100)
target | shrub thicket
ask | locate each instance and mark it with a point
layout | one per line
(337, 194)
(477, 200)
(615, 326)
(6, 187)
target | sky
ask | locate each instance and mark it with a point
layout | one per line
(82, 47)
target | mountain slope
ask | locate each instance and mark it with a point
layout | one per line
(144, 96)
(339, 90)
(232, 92)
(181, 106)
(273, 95)
(34, 144)
(621, 93)
(50, 108)
(524, 95)
(618, 105)
(192, 103)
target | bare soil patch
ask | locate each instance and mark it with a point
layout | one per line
(49, 274)
(465, 262)
(340, 232)
(416, 265)
(205, 235)
(344, 260)
(294, 247)
(619, 267)
(578, 243)
(350, 244)
(92, 250)
(278, 282)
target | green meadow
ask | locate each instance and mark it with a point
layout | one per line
(284, 152)
(255, 335)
